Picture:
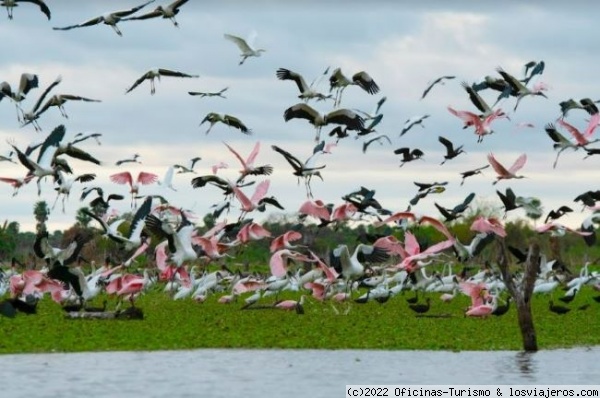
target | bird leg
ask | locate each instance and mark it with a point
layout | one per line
(63, 112)
(117, 30)
(152, 88)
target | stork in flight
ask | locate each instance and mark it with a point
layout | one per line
(10, 4)
(167, 12)
(245, 46)
(305, 170)
(209, 94)
(339, 81)
(110, 18)
(33, 115)
(306, 92)
(231, 121)
(439, 80)
(59, 100)
(156, 73)
(346, 117)
(27, 82)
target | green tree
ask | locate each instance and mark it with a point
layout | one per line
(82, 219)
(41, 212)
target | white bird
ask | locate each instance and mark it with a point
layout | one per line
(351, 266)
(156, 73)
(32, 116)
(166, 12)
(10, 4)
(65, 183)
(179, 241)
(346, 117)
(111, 19)
(245, 46)
(168, 178)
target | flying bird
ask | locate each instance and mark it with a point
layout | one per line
(372, 140)
(133, 159)
(59, 100)
(305, 170)
(33, 115)
(451, 152)
(502, 172)
(470, 173)
(167, 12)
(408, 155)
(156, 74)
(439, 80)
(306, 91)
(411, 122)
(245, 46)
(339, 81)
(229, 120)
(345, 117)
(187, 169)
(520, 89)
(125, 177)
(209, 94)
(10, 4)
(111, 19)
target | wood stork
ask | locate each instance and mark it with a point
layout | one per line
(306, 170)
(520, 89)
(156, 73)
(143, 178)
(408, 155)
(245, 46)
(179, 240)
(59, 100)
(377, 138)
(181, 169)
(439, 80)
(411, 122)
(306, 92)
(133, 159)
(65, 184)
(32, 116)
(339, 81)
(10, 4)
(451, 152)
(471, 173)
(346, 117)
(231, 121)
(209, 94)
(27, 82)
(502, 172)
(111, 19)
(167, 12)
(351, 267)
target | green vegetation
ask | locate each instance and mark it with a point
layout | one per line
(187, 324)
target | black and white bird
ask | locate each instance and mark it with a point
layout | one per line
(377, 138)
(231, 121)
(345, 117)
(339, 82)
(246, 46)
(11, 4)
(181, 169)
(156, 73)
(133, 159)
(110, 18)
(59, 100)
(352, 266)
(209, 94)
(451, 152)
(306, 92)
(306, 169)
(520, 89)
(167, 12)
(65, 183)
(27, 82)
(32, 116)
(439, 80)
(179, 240)
(470, 173)
(558, 213)
(411, 122)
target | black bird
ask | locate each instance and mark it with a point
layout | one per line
(502, 309)
(372, 140)
(408, 155)
(588, 198)
(413, 300)
(509, 200)
(424, 186)
(11, 306)
(411, 122)
(421, 308)
(558, 213)
(451, 152)
(439, 80)
(470, 173)
(596, 299)
(422, 194)
(456, 211)
(568, 299)
(305, 169)
(558, 309)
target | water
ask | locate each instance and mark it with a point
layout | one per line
(279, 373)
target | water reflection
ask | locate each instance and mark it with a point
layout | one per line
(289, 373)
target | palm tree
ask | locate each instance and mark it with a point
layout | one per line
(41, 211)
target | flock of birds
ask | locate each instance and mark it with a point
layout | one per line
(379, 267)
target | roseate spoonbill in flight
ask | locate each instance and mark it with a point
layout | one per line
(167, 12)
(339, 81)
(451, 152)
(439, 80)
(503, 172)
(482, 127)
(111, 19)
(229, 120)
(209, 94)
(488, 225)
(245, 46)
(10, 4)
(156, 73)
(143, 178)
(17, 183)
(248, 167)
(345, 117)
(306, 92)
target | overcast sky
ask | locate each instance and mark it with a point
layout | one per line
(401, 45)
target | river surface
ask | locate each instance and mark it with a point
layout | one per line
(279, 373)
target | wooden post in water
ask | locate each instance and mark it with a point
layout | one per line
(521, 292)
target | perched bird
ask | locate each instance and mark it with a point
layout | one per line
(111, 19)
(408, 155)
(246, 47)
(421, 308)
(439, 80)
(558, 309)
(156, 73)
(167, 12)
(10, 4)
(231, 121)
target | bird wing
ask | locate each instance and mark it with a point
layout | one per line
(476, 98)
(138, 82)
(81, 155)
(148, 15)
(122, 178)
(496, 165)
(28, 81)
(366, 82)
(253, 155)
(518, 164)
(350, 119)
(169, 72)
(302, 111)
(286, 74)
(125, 13)
(296, 164)
(241, 43)
(43, 7)
(78, 98)
(45, 93)
(260, 191)
(85, 177)
(447, 143)
(146, 178)
(236, 123)
(90, 22)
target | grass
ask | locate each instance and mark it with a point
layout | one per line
(186, 324)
